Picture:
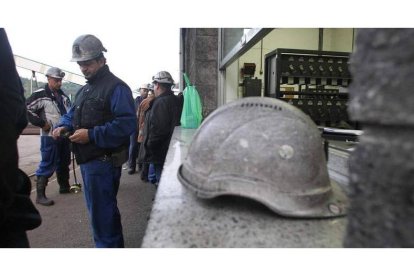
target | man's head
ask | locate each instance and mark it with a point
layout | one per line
(162, 82)
(87, 51)
(143, 89)
(54, 78)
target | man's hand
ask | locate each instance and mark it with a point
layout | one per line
(56, 132)
(80, 136)
(46, 127)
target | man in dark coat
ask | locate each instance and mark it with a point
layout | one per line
(17, 212)
(161, 122)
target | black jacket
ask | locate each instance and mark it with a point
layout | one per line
(159, 127)
(93, 108)
(17, 212)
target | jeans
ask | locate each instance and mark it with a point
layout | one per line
(101, 182)
(55, 156)
(133, 151)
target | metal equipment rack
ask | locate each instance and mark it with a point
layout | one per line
(314, 81)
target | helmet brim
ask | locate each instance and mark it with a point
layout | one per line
(330, 202)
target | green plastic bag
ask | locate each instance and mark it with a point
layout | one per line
(191, 115)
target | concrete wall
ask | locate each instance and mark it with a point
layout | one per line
(340, 40)
(232, 91)
(382, 166)
(201, 64)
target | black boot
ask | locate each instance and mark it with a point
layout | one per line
(40, 189)
(144, 172)
(63, 181)
(131, 170)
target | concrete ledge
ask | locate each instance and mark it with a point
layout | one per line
(179, 219)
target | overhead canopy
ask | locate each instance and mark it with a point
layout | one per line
(41, 68)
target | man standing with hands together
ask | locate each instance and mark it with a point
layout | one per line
(100, 122)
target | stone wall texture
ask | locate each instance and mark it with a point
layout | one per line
(201, 64)
(382, 166)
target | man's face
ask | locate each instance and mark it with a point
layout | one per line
(157, 89)
(143, 93)
(54, 83)
(90, 67)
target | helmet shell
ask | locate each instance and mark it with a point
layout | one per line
(163, 77)
(55, 72)
(145, 86)
(86, 47)
(266, 150)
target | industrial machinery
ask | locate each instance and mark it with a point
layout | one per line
(252, 87)
(314, 81)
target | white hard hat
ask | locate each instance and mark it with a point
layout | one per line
(163, 77)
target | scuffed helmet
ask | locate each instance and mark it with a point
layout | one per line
(55, 72)
(86, 47)
(163, 77)
(266, 150)
(145, 86)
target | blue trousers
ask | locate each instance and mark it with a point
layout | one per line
(154, 173)
(55, 157)
(133, 151)
(101, 183)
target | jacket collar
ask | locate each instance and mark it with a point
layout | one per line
(101, 73)
(50, 92)
(166, 93)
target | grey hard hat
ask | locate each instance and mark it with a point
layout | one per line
(163, 77)
(55, 72)
(86, 47)
(266, 150)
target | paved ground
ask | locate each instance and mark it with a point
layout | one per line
(65, 224)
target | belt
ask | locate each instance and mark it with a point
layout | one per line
(104, 158)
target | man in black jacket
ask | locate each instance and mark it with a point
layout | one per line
(162, 119)
(17, 212)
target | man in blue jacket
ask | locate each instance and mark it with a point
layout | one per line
(44, 109)
(99, 124)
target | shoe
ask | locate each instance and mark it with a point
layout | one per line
(131, 171)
